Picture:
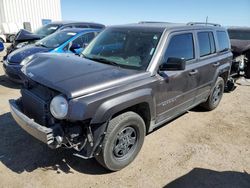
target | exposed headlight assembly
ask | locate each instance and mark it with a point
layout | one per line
(59, 107)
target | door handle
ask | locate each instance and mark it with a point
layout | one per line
(216, 64)
(193, 72)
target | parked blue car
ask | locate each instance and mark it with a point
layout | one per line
(65, 41)
(1, 46)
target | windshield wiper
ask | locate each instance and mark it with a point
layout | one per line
(102, 60)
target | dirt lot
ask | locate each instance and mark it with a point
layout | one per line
(198, 149)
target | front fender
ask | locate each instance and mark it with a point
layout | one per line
(110, 107)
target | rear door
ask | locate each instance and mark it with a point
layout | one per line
(207, 63)
(177, 89)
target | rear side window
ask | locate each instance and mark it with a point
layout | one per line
(223, 41)
(83, 39)
(180, 46)
(206, 43)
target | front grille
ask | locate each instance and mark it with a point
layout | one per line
(34, 107)
(35, 103)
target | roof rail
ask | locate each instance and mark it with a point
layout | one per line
(143, 22)
(203, 23)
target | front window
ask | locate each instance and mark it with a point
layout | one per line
(128, 48)
(181, 46)
(56, 39)
(47, 29)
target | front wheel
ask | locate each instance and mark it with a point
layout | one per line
(123, 141)
(215, 95)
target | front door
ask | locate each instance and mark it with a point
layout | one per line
(177, 89)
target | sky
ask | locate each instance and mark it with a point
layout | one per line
(111, 12)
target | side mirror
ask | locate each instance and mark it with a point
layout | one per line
(1, 47)
(173, 64)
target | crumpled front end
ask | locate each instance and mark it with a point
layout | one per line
(32, 114)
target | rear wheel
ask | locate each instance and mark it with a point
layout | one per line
(1, 40)
(215, 96)
(247, 70)
(122, 142)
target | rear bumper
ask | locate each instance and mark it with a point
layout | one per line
(44, 134)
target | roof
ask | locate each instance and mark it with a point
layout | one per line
(79, 30)
(75, 22)
(234, 28)
(161, 26)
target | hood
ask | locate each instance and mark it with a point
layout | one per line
(75, 76)
(24, 35)
(20, 54)
(239, 46)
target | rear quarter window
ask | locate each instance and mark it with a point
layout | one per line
(223, 41)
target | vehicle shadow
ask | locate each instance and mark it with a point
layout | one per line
(198, 109)
(204, 178)
(4, 81)
(20, 152)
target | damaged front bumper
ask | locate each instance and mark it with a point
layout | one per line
(55, 136)
(48, 135)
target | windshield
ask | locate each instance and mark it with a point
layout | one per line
(47, 29)
(128, 48)
(239, 35)
(56, 39)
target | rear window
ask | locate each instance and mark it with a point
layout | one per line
(206, 43)
(223, 41)
(180, 46)
(239, 34)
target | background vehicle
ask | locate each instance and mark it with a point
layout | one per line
(2, 38)
(24, 37)
(1, 46)
(240, 41)
(130, 80)
(9, 30)
(64, 41)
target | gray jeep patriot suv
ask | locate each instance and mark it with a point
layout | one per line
(128, 81)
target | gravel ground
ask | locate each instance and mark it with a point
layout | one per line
(198, 149)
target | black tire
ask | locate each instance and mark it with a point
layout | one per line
(247, 70)
(11, 38)
(215, 95)
(114, 159)
(1, 40)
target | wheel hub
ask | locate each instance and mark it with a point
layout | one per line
(125, 142)
(217, 93)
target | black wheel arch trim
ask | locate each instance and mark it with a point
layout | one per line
(110, 107)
